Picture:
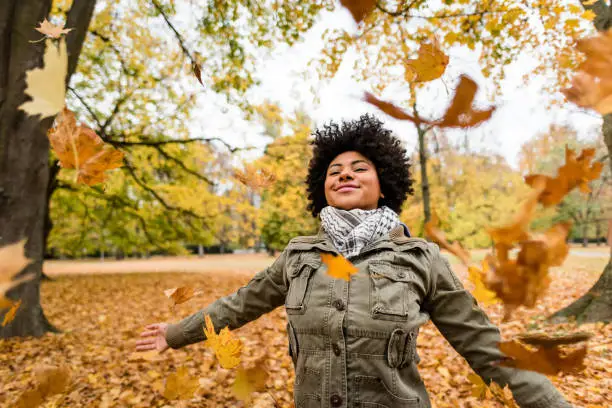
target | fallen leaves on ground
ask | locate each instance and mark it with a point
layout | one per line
(50, 381)
(338, 267)
(80, 148)
(104, 375)
(47, 85)
(180, 385)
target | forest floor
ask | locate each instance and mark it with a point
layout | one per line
(101, 307)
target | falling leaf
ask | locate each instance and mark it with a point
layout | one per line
(589, 92)
(249, 381)
(254, 178)
(80, 148)
(180, 385)
(359, 9)
(460, 112)
(197, 71)
(479, 388)
(429, 65)
(433, 232)
(12, 261)
(182, 294)
(50, 380)
(588, 15)
(10, 314)
(47, 85)
(51, 30)
(481, 293)
(545, 360)
(338, 267)
(227, 348)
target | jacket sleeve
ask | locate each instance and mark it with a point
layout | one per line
(467, 328)
(264, 293)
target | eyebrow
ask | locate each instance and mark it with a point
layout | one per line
(353, 162)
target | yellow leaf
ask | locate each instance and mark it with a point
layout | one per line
(481, 293)
(51, 30)
(338, 267)
(180, 386)
(479, 388)
(226, 347)
(10, 315)
(588, 15)
(182, 294)
(249, 381)
(47, 85)
(430, 64)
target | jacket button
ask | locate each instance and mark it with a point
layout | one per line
(336, 349)
(335, 400)
(338, 304)
(401, 275)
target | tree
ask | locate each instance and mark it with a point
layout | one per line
(115, 69)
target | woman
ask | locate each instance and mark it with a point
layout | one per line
(353, 344)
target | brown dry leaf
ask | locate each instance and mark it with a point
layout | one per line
(254, 178)
(197, 71)
(180, 385)
(227, 348)
(429, 65)
(10, 314)
(12, 261)
(182, 294)
(51, 30)
(359, 9)
(545, 360)
(589, 92)
(249, 381)
(576, 172)
(338, 267)
(433, 232)
(80, 148)
(460, 112)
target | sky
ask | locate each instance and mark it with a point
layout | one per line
(522, 111)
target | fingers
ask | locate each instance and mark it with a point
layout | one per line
(153, 326)
(146, 344)
(150, 333)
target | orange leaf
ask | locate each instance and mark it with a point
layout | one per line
(545, 360)
(254, 178)
(429, 65)
(10, 314)
(51, 30)
(182, 294)
(338, 267)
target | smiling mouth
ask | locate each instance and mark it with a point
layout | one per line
(346, 189)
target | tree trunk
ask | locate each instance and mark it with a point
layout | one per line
(424, 180)
(24, 148)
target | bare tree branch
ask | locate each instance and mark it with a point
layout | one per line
(178, 36)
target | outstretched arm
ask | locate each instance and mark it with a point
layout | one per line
(467, 328)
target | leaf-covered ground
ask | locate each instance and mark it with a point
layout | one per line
(102, 315)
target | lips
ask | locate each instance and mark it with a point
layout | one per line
(347, 188)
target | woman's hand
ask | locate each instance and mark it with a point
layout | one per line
(154, 338)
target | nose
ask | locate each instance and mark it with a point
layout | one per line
(345, 174)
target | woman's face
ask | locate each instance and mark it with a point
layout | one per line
(352, 182)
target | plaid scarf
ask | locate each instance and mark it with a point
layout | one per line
(352, 230)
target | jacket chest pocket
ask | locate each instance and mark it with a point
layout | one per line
(300, 277)
(389, 291)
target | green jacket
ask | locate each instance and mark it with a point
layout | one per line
(353, 344)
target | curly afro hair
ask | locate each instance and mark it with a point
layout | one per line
(367, 136)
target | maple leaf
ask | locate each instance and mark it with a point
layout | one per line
(338, 267)
(433, 232)
(249, 381)
(10, 314)
(12, 261)
(50, 380)
(359, 9)
(80, 148)
(47, 85)
(182, 294)
(226, 347)
(589, 92)
(481, 293)
(460, 113)
(480, 390)
(254, 178)
(429, 65)
(51, 30)
(180, 385)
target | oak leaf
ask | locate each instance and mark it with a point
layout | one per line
(51, 30)
(429, 65)
(180, 385)
(47, 85)
(182, 294)
(227, 348)
(338, 267)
